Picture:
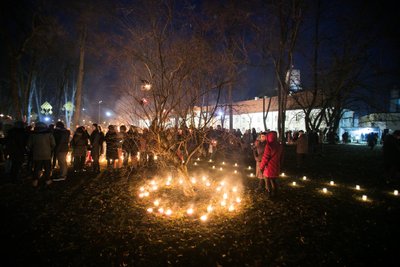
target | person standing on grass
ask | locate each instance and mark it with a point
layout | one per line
(111, 139)
(15, 144)
(61, 136)
(301, 148)
(41, 142)
(96, 144)
(258, 151)
(391, 155)
(271, 162)
(79, 144)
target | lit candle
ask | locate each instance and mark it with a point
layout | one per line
(189, 211)
(238, 200)
(141, 195)
(357, 187)
(235, 171)
(161, 210)
(231, 208)
(283, 174)
(249, 167)
(150, 210)
(198, 158)
(210, 160)
(324, 190)
(210, 208)
(193, 180)
(396, 192)
(203, 218)
(155, 157)
(236, 165)
(168, 212)
(220, 169)
(146, 194)
(203, 178)
(304, 178)
(223, 163)
(154, 187)
(141, 189)
(222, 183)
(180, 181)
(213, 167)
(364, 197)
(168, 183)
(234, 189)
(195, 163)
(218, 188)
(294, 183)
(251, 175)
(332, 183)
(225, 196)
(208, 183)
(223, 203)
(156, 202)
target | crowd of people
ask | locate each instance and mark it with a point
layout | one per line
(42, 151)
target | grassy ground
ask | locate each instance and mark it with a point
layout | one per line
(92, 220)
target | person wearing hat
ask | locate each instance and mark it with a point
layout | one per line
(41, 143)
(271, 162)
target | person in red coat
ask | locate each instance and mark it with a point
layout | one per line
(271, 162)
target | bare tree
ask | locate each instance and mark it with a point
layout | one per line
(176, 76)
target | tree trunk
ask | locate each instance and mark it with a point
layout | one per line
(79, 85)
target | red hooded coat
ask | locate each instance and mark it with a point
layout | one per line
(271, 160)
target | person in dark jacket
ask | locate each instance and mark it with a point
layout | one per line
(41, 142)
(79, 144)
(391, 155)
(130, 146)
(61, 136)
(96, 144)
(112, 142)
(271, 162)
(15, 142)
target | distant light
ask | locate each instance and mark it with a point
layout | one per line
(108, 114)
(396, 192)
(364, 197)
(357, 187)
(304, 178)
(332, 183)
(294, 183)
(324, 190)
(46, 119)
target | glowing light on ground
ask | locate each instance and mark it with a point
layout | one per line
(304, 178)
(364, 197)
(294, 183)
(324, 190)
(396, 192)
(332, 183)
(358, 187)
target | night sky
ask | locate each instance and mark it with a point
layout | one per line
(102, 74)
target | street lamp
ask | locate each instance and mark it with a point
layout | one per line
(98, 118)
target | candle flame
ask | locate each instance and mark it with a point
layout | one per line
(203, 218)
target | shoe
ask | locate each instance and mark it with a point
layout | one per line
(59, 179)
